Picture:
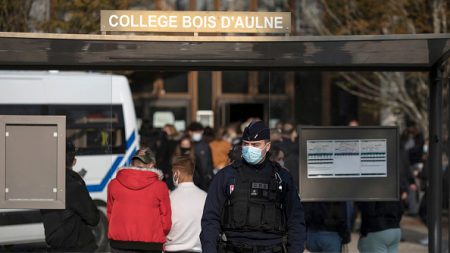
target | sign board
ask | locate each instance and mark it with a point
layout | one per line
(32, 162)
(348, 163)
(195, 21)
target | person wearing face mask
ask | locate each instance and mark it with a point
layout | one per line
(184, 147)
(203, 157)
(252, 204)
(187, 201)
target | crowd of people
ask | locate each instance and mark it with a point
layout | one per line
(413, 168)
(228, 190)
(210, 148)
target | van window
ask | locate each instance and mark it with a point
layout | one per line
(94, 129)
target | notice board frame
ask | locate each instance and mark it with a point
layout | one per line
(352, 188)
(28, 154)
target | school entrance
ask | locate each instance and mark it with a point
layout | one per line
(23, 51)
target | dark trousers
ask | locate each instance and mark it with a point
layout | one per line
(180, 251)
(228, 248)
(132, 251)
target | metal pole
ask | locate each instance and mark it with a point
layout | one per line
(434, 194)
(447, 148)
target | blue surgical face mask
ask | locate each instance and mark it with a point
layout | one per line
(252, 155)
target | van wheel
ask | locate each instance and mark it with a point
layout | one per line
(101, 231)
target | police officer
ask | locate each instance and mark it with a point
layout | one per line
(253, 205)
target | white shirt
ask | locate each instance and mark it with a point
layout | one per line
(187, 202)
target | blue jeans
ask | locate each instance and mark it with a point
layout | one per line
(323, 241)
(385, 241)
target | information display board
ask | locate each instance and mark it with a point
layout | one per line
(348, 163)
(32, 162)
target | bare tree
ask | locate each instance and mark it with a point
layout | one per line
(406, 93)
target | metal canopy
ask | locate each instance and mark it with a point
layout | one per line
(422, 52)
(366, 52)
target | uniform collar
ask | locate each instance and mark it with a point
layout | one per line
(258, 166)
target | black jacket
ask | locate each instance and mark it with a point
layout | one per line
(326, 216)
(68, 229)
(219, 192)
(379, 216)
(203, 165)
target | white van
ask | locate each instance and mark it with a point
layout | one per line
(100, 120)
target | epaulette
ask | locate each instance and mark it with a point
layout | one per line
(236, 164)
(277, 166)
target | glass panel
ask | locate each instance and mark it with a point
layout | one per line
(204, 90)
(22, 109)
(142, 81)
(308, 98)
(175, 82)
(241, 112)
(159, 83)
(94, 129)
(273, 81)
(280, 119)
(235, 82)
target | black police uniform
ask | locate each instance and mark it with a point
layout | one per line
(256, 207)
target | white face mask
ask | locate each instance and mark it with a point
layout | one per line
(197, 137)
(409, 144)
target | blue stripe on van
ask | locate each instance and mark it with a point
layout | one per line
(100, 187)
(130, 141)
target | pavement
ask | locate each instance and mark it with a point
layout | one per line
(413, 230)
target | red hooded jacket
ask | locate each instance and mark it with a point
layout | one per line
(138, 209)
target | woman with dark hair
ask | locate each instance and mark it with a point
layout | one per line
(184, 148)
